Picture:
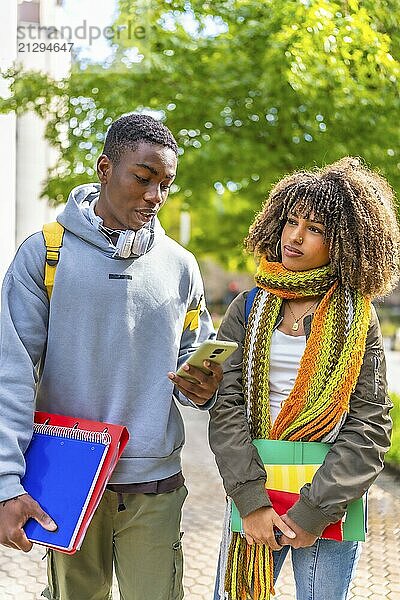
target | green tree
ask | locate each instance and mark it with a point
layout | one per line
(251, 90)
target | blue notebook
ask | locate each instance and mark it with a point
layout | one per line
(62, 468)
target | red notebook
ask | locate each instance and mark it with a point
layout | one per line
(68, 465)
(282, 501)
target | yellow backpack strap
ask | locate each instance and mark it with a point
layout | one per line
(53, 234)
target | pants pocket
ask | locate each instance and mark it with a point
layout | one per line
(51, 591)
(177, 592)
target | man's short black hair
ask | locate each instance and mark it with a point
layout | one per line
(128, 131)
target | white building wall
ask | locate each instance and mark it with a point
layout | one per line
(8, 53)
(25, 156)
(34, 154)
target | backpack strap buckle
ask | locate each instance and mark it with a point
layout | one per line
(53, 234)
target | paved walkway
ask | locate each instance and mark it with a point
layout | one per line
(22, 576)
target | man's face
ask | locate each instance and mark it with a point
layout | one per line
(134, 189)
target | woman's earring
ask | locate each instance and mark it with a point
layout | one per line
(278, 249)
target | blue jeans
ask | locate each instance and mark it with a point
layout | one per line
(321, 572)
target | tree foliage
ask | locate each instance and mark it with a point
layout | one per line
(251, 90)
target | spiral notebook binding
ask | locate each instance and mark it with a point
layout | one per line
(100, 437)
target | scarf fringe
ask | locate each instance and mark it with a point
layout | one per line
(224, 550)
(249, 570)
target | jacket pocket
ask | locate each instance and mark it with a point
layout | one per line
(177, 583)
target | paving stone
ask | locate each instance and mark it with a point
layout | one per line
(23, 576)
(361, 592)
(393, 569)
(200, 590)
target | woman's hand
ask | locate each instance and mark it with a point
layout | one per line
(303, 538)
(260, 526)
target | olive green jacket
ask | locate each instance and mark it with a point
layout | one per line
(351, 465)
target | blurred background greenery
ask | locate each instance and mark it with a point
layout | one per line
(393, 456)
(251, 90)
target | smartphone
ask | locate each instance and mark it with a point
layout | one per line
(213, 350)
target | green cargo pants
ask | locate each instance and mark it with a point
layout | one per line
(142, 543)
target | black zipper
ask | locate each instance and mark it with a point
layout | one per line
(376, 363)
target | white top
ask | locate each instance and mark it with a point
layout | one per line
(285, 356)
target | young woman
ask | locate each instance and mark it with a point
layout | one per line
(310, 367)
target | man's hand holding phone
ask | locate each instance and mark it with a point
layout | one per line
(202, 386)
(201, 374)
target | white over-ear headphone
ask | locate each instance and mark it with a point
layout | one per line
(129, 242)
(133, 242)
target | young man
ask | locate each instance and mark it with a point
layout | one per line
(127, 307)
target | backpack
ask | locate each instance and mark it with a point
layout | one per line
(249, 303)
(53, 234)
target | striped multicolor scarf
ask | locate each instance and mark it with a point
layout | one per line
(328, 373)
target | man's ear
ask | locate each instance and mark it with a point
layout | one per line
(104, 168)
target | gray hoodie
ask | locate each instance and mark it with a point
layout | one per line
(104, 346)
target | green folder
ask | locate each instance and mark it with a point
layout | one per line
(278, 452)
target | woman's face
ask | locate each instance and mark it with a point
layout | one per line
(303, 246)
